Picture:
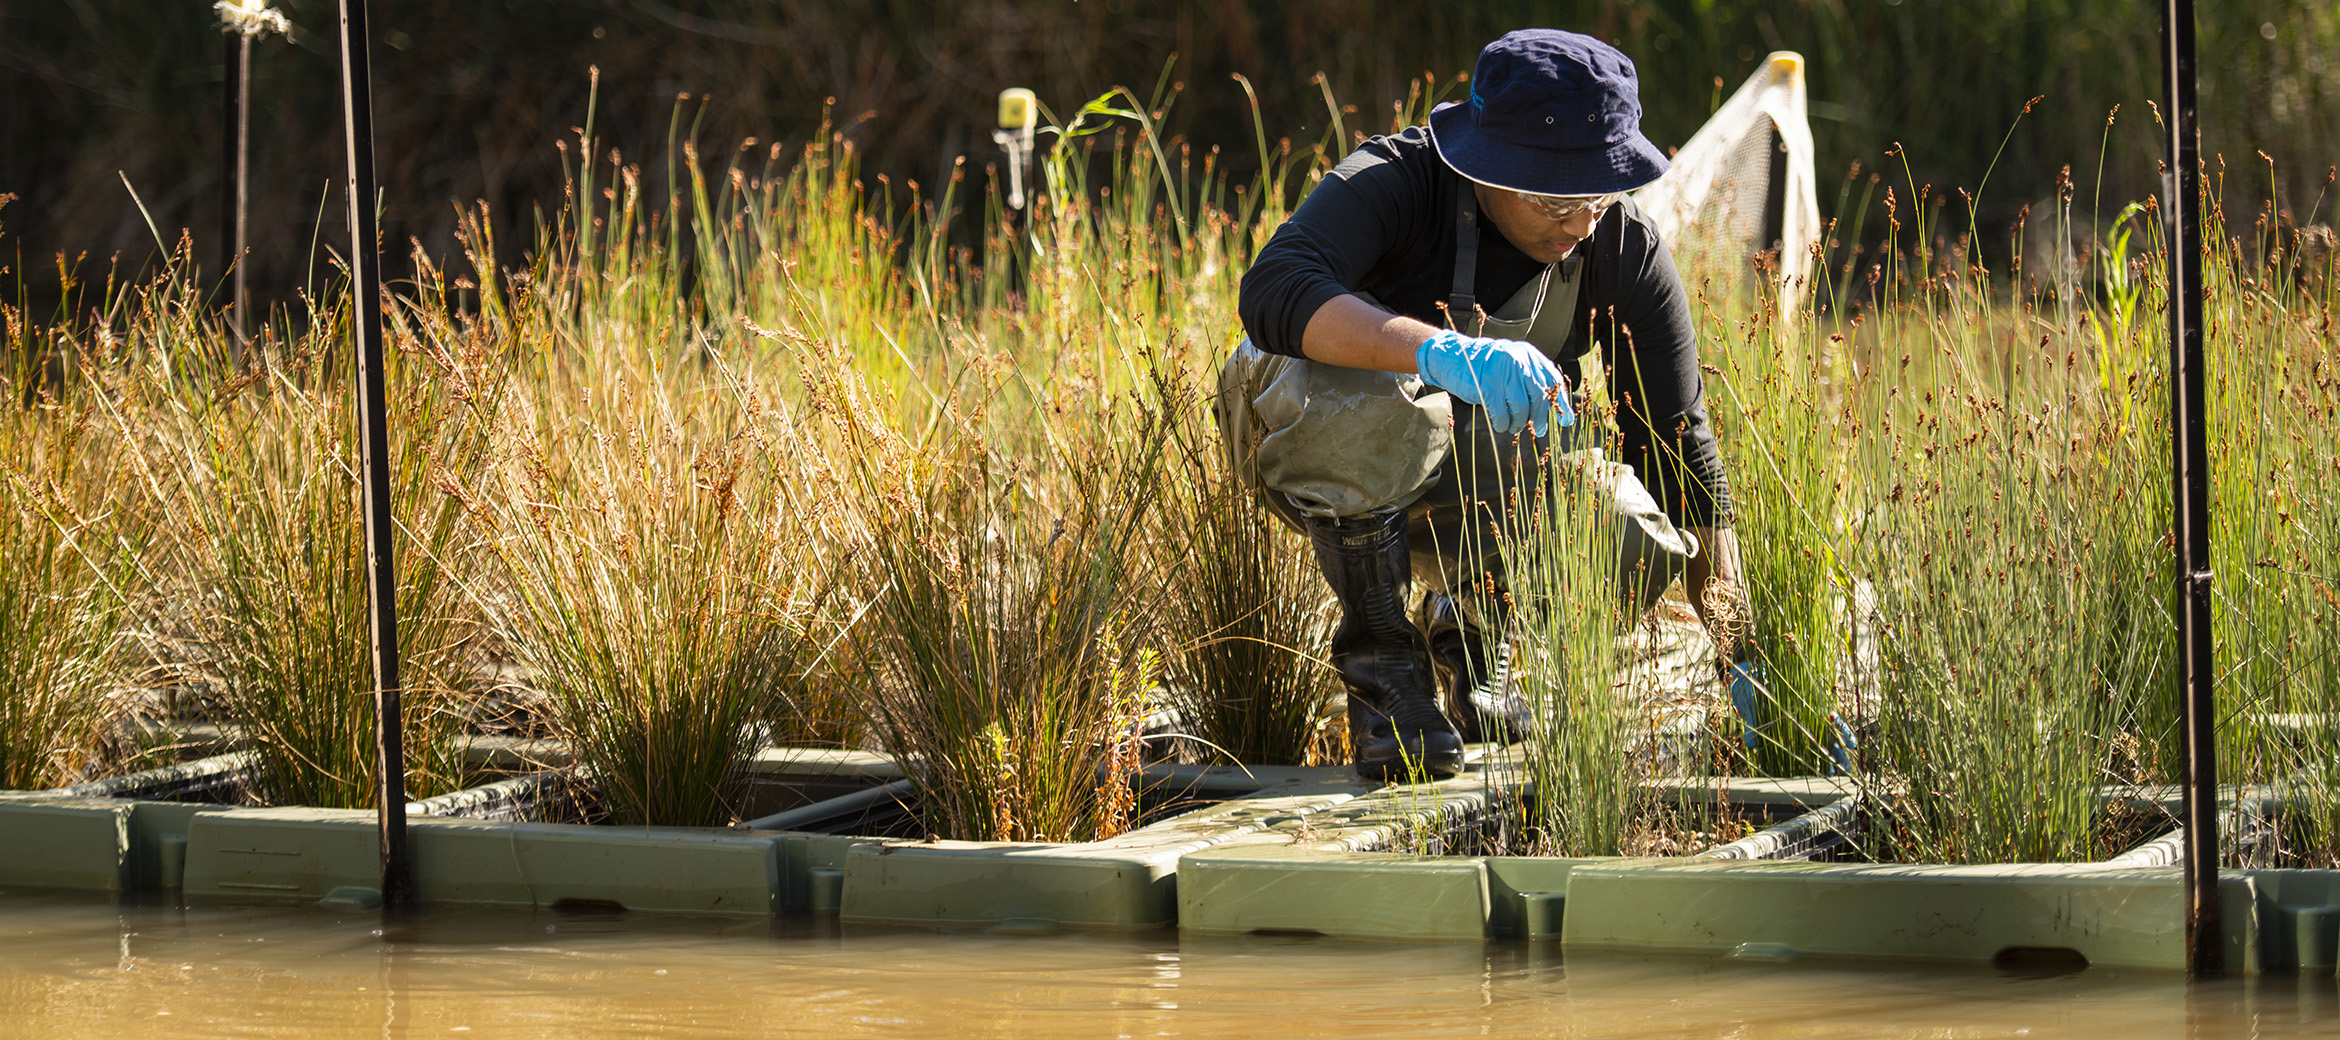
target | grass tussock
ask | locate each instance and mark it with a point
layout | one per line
(258, 565)
(1009, 616)
(659, 584)
(63, 590)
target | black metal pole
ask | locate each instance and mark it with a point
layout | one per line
(236, 148)
(374, 445)
(231, 89)
(2190, 480)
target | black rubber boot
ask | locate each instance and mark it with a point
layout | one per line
(1484, 700)
(1395, 727)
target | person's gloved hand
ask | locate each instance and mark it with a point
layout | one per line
(1512, 380)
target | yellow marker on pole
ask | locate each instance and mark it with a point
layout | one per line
(1019, 111)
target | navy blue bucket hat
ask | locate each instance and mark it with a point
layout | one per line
(1551, 113)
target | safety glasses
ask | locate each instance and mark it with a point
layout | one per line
(1562, 207)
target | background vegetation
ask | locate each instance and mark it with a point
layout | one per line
(474, 94)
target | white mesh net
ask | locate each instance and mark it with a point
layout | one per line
(1743, 185)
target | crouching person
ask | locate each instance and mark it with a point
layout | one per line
(1414, 333)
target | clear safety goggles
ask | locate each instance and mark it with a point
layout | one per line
(1562, 207)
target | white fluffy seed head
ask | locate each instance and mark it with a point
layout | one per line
(252, 18)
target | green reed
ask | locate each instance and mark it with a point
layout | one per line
(2273, 397)
(1782, 405)
(2024, 629)
(1594, 742)
(2007, 506)
(63, 589)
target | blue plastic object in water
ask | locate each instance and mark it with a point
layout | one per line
(1841, 744)
(1746, 695)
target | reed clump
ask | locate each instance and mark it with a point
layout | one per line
(658, 586)
(1782, 410)
(2273, 396)
(1976, 514)
(1591, 748)
(63, 591)
(1009, 615)
(258, 566)
(2026, 626)
(1952, 535)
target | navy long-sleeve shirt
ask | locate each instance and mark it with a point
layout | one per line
(1382, 222)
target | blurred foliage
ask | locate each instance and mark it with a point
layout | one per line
(473, 95)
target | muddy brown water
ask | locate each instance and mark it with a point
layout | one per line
(79, 966)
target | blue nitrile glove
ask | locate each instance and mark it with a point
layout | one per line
(1747, 697)
(1510, 379)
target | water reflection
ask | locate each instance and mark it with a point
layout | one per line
(73, 966)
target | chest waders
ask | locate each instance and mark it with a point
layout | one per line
(1393, 479)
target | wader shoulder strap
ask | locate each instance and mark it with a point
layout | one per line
(1522, 316)
(1462, 304)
